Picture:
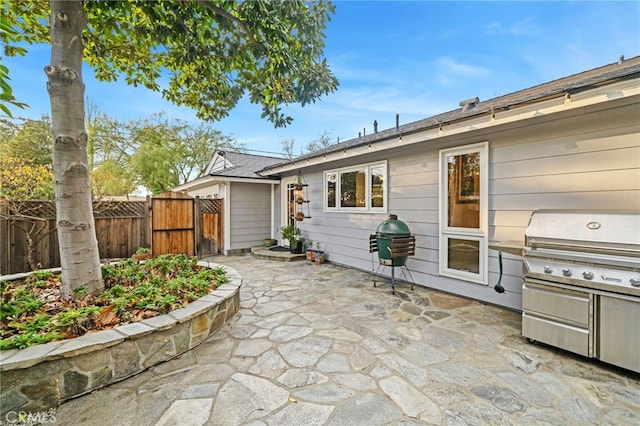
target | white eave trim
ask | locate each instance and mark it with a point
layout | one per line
(206, 181)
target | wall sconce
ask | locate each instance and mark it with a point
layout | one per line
(440, 128)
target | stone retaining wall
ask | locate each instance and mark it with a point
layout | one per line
(43, 376)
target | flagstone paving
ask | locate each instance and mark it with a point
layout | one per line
(318, 345)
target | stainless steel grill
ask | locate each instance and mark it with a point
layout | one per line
(581, 289)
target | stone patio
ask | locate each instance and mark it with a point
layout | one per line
(318, 345)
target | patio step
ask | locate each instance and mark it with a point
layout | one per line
(263, 252)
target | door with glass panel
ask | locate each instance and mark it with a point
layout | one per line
(463, 207)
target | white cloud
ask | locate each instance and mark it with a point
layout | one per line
(452, 72)
(523, 27)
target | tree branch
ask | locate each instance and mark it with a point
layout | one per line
(223, 13)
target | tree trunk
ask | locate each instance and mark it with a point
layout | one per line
(79, 256)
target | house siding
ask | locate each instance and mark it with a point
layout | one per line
(580, 160)
(250, 214)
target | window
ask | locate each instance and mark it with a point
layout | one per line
(359, 188)
(463, 221)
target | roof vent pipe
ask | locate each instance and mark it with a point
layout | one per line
(364, 132)
(621, 59)
(397, 123)
(375, 126)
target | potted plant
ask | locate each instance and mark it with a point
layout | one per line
(299, 216)
(142, 253)
(319, 254)
(311, 254)
(293, 234)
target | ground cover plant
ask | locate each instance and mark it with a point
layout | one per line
(32, 310)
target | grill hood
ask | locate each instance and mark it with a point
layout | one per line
(603, 232)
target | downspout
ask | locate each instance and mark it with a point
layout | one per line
(273, 205)
(227, 218)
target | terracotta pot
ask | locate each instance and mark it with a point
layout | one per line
(311, 255)
(139, 257)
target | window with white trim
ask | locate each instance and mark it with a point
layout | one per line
(361, 188)
(464, 177)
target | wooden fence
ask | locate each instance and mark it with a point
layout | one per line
(121, 227)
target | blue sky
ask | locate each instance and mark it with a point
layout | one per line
(415, 59)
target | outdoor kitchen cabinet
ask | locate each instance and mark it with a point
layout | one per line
(619, 333)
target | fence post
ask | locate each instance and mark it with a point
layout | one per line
(5, 250)
(197, 224)
(147, 223)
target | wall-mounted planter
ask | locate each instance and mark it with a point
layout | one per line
(43, 376)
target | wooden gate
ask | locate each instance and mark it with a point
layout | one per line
(182, 224)
(173, 228)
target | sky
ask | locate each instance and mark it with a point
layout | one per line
(412, 58)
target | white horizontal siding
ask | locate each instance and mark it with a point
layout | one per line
(250, 214)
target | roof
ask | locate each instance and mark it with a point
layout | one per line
(240, 165)
(567, 85)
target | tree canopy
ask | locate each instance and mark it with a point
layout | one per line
(210, 53)
(25, 164)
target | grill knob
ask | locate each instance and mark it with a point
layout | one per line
(635, 282)
(547, 269)
(587, 275)
(567, 272)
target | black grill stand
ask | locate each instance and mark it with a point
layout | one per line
(401, 246)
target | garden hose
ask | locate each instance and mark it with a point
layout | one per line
(498, 287)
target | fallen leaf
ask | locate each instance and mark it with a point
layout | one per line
(107, 317)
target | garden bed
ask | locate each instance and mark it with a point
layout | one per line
(43, 376)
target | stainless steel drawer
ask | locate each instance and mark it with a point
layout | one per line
(564, 336)
(574, 307)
